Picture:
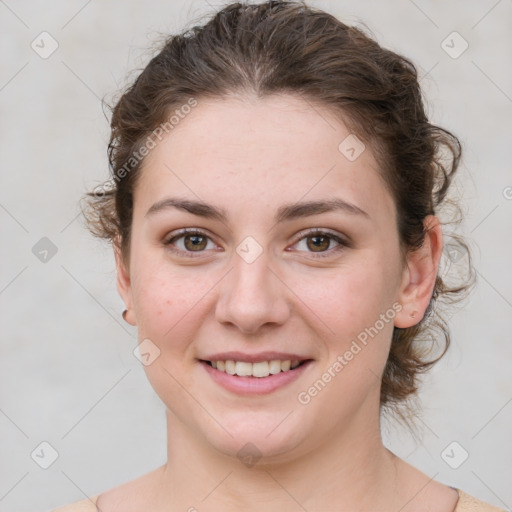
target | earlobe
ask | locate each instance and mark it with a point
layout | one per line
(124, 284)
(419, 275)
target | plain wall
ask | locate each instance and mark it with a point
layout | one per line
(68, 374)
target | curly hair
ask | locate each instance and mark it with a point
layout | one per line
(288, 47)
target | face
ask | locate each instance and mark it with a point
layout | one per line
(261, 276)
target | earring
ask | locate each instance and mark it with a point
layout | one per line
(124, 315)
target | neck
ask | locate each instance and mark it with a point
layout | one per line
(352, 470)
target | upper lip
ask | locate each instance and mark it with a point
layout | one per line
(255, 358)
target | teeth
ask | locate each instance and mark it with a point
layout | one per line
(230, 367)
(260, 369)
(274, 367)
(243, 369)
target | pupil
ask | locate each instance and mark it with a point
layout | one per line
(318, 240)
(197, 242)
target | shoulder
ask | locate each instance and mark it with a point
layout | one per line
(127, 496)
(87, 505)
(468, 503)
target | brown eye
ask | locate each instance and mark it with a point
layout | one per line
(189, 241)
(318, 243)
(322, 243)
(195, 242)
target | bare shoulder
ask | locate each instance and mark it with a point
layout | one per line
(87, 505)
(134, 495)
(122, 497)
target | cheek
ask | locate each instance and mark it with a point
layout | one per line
(354, 304)
(356, 307)
(348, 299)
(161, 299)
(170, 303)
(169, 312)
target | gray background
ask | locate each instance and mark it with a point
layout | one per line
(68, 374)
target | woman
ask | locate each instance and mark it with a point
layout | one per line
(273, 211)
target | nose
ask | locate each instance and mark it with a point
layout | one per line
(252, 295)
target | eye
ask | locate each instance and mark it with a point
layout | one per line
(319, 242)
(188, 241)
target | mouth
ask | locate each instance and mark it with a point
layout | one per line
(254, 378)
(259, 370)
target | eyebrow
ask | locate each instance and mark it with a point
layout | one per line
(286, 212)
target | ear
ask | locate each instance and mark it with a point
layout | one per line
(419, 275)
(124, 283)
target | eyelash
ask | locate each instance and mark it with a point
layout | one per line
(342, 243)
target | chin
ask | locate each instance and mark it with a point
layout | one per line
(260, 437)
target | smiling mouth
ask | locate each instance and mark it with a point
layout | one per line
(259, 370)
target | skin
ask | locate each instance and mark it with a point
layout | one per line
(251, 156)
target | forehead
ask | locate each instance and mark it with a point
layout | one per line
(241, 151)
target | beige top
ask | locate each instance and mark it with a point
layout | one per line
(466, 503)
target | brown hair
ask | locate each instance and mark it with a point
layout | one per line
(288, 47)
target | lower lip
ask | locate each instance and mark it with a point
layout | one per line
(255, 385)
